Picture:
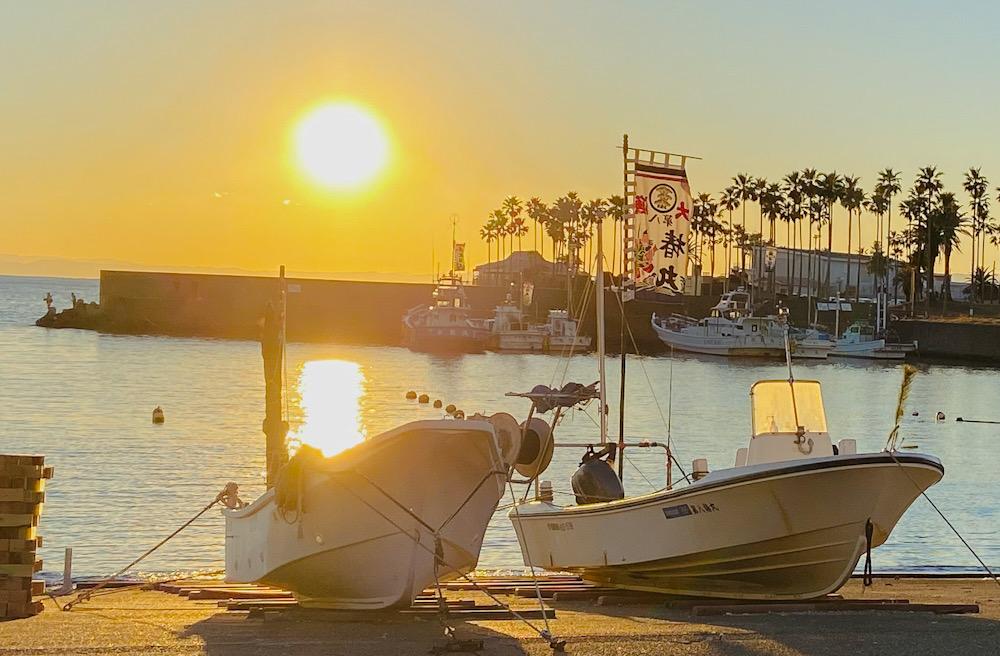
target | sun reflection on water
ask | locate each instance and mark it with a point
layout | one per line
(330, 393)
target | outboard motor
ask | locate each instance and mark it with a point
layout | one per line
(596, 481)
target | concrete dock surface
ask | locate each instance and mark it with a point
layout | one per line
(153, 622)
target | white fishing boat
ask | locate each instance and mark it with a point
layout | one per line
(446, 325)
(373, 526)
(564, 333)
(728, 330)
(510, 333)
(859, 341)
(789, 520)
(811, 343)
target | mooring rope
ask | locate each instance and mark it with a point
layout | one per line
(228, 492)
(923, 493)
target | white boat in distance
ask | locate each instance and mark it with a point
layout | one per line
(729, 330)
(375, 525)
(446, 325)
(859, 342)
(509, 332)
(788, 521)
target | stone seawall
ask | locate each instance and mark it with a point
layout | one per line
(974, 341)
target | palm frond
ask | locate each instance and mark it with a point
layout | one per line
(909, 372)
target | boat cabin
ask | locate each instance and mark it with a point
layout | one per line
(859, 333)
(732, 305)
(788, 422)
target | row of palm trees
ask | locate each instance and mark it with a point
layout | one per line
(568, 223)
(806, 202)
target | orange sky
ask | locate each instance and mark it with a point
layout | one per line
(159, 134)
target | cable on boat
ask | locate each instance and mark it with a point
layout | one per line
(909, 372)
(226, 497)
(555, 644)
(946, 521)
(642, 364)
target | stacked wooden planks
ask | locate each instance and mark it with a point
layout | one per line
(22, 493)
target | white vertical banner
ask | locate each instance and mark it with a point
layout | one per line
(662, 211)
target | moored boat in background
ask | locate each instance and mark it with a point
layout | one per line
(446, 325)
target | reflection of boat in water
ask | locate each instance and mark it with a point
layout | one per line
(729, 329)
(374, 525)
(859, 342)
(445, 326)
(787, 522)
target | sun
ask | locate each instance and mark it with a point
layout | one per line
(341, 145)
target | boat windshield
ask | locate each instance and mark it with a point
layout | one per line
(773, 410)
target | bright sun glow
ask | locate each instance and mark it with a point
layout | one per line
(341, 145)
(331, 405)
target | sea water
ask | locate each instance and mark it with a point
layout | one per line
(122, 484)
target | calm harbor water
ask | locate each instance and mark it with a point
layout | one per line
(122, 484)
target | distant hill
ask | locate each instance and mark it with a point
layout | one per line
(59, 267)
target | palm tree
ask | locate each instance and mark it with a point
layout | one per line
(831, 191)
(512, 208)
(759, 190)
(746, 187)
(486, 233)
(851, 197)
(794, 191)
(539, 213)
(615, 208)
(928, 185)
(887, 187)
(949, 226)
(730, 201)
(975, 184)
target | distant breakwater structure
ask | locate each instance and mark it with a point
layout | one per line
(370, 313)
(341, 311)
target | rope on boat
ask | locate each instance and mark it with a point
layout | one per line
(227, 497)
(946, 521)
(556, 645)
(866, 579)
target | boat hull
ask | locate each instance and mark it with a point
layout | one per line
(372, 518)
(874, 350)
(446, 339)
(753, 532)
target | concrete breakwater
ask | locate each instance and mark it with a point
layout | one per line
(350, 312)
(972, 340)
(359, 312)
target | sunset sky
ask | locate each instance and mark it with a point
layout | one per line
(162, 133)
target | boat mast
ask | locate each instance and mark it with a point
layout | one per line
(621, 302)
(600, 326)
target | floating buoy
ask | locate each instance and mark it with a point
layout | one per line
(411, 395)
(916, 414)
(458, 414)
(157, 415)
(423, 399)
(450, 409)
(939, 416)
(437, 403)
